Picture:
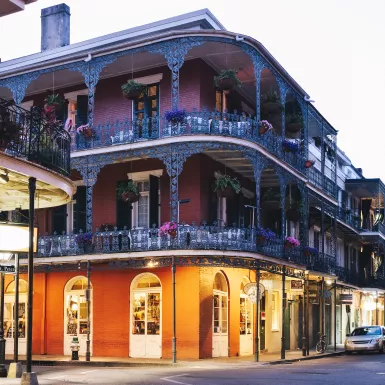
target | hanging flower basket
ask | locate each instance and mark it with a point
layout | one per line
(133, 90)
(86, 131)
(226, 186)
(264, 126)
(308, 251)
(309, 163)
(227, 80)
(168, 228)
(294, 122)
(128, 192)
(264, 236)
(291, 243)
(271, 102)
(54, 100)
(293, 128)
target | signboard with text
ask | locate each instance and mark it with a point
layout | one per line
(15, 238)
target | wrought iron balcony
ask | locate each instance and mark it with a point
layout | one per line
(354, 278)
(30, 136)
(349, 216)
(322, 181)
(195, 123)
(185, 238)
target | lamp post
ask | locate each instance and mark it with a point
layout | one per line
(4, 257)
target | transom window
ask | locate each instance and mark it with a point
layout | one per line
(148, 281)
(23, 287)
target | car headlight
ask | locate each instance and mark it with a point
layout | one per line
(348, 342)
(375, 340)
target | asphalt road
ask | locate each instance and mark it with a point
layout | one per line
(351, 370)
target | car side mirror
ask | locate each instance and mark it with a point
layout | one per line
(347, 335)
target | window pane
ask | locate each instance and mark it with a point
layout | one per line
(154, 103)
(152, 91)
(140, 106)
(22, 320)
(143, 211)
(138, 313)
(8, 318)
(72, 314)
(153, 313)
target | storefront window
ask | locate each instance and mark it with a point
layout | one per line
(220, 311)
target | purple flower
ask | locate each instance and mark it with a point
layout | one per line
(266, 234)
(294, 242)
(175, 116)
(167, 227)
(84, 239)
(290, 146)
(311, 250)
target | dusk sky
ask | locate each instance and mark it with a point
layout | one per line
(335, 49)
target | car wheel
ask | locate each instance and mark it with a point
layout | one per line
(383, 347)
(348, 352)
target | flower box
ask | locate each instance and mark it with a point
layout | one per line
(291, 242)
(168, 228)
(264, 126)
(289, 146)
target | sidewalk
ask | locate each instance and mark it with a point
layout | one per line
(264, 358)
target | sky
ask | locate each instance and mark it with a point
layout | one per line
(335, 49)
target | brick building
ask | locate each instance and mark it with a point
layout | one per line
(105, 270)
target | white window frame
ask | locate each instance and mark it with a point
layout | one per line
(144, 176)
(71, 209)
(72, 98)
(275, 326)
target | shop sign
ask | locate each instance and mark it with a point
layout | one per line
(263, 316)
(250, 289)
(296, 284)
(7, 269)
(346, 299)
(313, 297)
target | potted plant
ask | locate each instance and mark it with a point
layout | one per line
(168, 228)
(291, 242)
(264, 126)
(128, 192)
(132, 90)
(308, 251)
(54, 100)
(227, 80)
(84, 240)
(86, 131)
(309, 163)
(271, 102)
(264, 236)
(225, 185)
(293, 122)
(175, 116)
(289, 146)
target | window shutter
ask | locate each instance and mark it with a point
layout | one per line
(61, 112)
(123, 211)
(82, 110)
(154, 201)
(59, 219)
(80, 209)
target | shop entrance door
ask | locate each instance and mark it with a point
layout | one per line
(146, 333)
(246, 326)
(10, 326)
(220, 317)
(75, 315)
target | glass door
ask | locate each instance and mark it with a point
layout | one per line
(220, 325)
(11, 327)
(245, 326)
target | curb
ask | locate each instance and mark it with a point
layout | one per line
(313, 357)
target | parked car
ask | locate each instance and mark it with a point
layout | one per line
(366, 338)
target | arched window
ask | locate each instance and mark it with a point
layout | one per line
(146, 281)
(23, 287)
(220, 283)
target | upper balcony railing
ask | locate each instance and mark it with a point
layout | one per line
(184, 238)
(354, 278)
(33, 137)
(350, 217)
(322, 181)
(195, 123)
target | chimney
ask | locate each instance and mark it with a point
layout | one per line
(55, 27)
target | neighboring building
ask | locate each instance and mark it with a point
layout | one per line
(220, 244)
(11, 6)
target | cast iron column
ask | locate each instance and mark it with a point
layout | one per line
(304, 319)
(32, 189)
(173, 271)
(335, 315)
(3, 369)
(16, 327)
(88, 342)
(283, 314)
(322, 303)
(256, 355)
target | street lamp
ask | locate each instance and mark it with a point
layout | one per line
(4, 257)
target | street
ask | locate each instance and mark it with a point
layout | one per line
(340, 370)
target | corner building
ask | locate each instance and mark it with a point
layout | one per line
(104, 268)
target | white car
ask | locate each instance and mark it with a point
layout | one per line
(366, 338)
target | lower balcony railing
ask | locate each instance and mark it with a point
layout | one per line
(350, 217)
(185, 238)
(194, 123)
(322, 181)
(354, 278)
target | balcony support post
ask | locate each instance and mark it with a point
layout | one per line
(283, 186)
(259, 163)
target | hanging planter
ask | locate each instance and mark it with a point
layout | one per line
(128, 192)
(133, 90)
(168, 228)
(175, 116)
(309, 251)
(271, 102)
(226, 186)
(264, 127)
(227, 80)
(294, 123)
(309, 163)
(291, 243)
(54, 100)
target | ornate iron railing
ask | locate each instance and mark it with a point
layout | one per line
(195, 123)
(186, 238)
(354, 278)
(349, 216)
(322, 181)
(30, 136)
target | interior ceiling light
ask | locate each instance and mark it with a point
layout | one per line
(4, 178)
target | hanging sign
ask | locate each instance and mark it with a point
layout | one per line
(250, 289)
(346, 299)
(7, 269)
(296, 284)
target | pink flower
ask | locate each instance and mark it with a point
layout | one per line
(167, 227)
(292, 241)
